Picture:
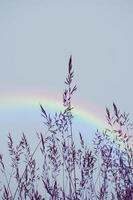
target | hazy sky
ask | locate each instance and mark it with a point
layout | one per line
(37, 38)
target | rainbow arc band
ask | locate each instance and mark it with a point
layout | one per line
(86, 115)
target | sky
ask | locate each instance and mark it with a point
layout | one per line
(37, 38)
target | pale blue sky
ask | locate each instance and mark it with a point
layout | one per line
(37, 38)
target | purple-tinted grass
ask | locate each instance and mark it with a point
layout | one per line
(56, 169)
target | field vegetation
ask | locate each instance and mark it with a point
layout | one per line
(59, 169)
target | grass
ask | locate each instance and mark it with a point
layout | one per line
(59, 169)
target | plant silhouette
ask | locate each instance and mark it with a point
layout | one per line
(58, 169)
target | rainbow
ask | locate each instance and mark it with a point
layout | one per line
(88, 114)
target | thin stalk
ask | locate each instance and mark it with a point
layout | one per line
(27, 166)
